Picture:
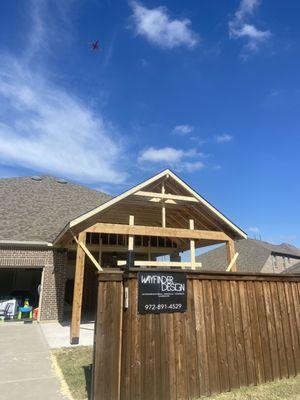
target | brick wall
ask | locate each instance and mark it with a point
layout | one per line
(54, 263)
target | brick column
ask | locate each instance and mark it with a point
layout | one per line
(54, 286)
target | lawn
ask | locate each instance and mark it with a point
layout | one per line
(75, 364)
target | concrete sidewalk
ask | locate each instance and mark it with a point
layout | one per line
(58, 334)
(26, 370)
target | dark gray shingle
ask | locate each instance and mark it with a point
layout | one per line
(295, 269)
(253, 254)
(38, 210)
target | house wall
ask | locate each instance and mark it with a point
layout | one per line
(54, 263)
(277, 263)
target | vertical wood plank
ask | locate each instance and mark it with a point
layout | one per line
(220, 336)
(157, 357)
(229, 333)
(126, 346)
(201, 341)
(296, 301)
(171, 357)
(272, 335)
(246, 326)
(238, 333)
(293, 325)
(107, 355)
(261, 312)
(180, 361)
(255, 332)
(279, 331)
(286, 329)
(214, 374)
(135, 361)
(190, 344)
(165, 389)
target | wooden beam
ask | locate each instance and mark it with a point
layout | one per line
(88, 253)
(232, 262)
(131, 237)
(149, 249)
(166, 196)
(143, 263)
(100, 251)
(192, 246)
(230, 254)
(78, 290)
(121, 229)
(123, 249)
(163, 209)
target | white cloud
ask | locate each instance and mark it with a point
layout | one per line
(159, 29)
(224, 138)
(246, 8)
(183, 129)
(165, 154)
(190, 166)
(46, 128)
(178, 159)
(240, 28)
(197, 140)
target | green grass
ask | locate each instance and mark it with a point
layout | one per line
(75, 364)
(285, 389)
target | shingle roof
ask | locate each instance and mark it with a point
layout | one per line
(253, 254)
(295, 269)
(32, 210)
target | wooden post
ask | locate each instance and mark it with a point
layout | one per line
(192, 246)
(78, 289)
(108, 337)
(230, 253)
(149, 249)
(130, 254)
(131, 237)
(100, 250)
(163, 209)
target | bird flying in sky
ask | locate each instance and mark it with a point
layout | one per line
(95, 45)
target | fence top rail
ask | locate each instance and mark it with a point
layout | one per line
(118, 274)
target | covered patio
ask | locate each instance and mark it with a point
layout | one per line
(148, 226)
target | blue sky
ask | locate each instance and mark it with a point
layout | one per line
(209, 89)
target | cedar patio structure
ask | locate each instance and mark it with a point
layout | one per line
(161, 216)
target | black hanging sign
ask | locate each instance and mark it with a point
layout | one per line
(161, 292)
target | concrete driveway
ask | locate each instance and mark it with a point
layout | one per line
(26, 370)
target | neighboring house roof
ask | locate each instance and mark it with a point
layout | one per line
(253, 255)
(295, 269)
(37, 210)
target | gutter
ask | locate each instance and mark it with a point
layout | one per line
(26, 243)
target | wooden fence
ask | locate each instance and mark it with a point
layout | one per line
(238, 330)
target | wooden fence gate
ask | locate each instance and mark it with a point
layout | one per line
(238, 330)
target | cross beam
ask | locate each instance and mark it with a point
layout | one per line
(166, 196)
(139, 230)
